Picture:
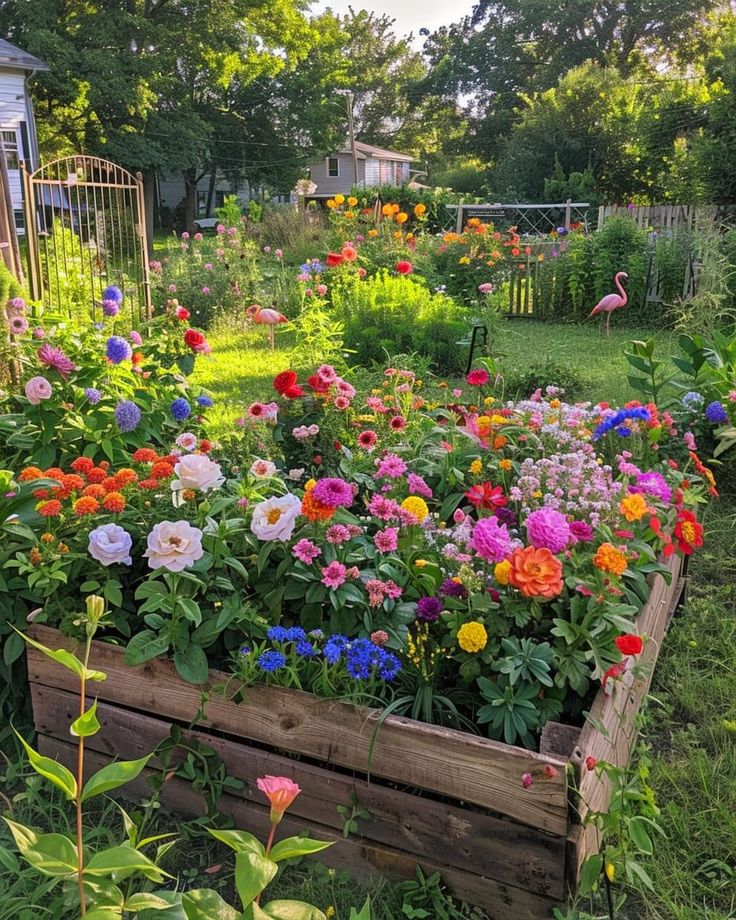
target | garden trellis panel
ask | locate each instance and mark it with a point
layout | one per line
(86, 229)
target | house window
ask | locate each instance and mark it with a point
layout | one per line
(333, 167)
(10, 143)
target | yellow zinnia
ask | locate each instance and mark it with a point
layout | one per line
(472, 637)
(339, 199)
(501, 572)
(475, 467)
(416, 506)
(352, 201)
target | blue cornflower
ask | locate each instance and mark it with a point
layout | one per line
(127, 416)
(317, 267)
(623, 432)
(271, 660)
(305, 268)
(113, 292)
(204, 402)
(389, 666)
(305, 648)
(716, 413)
(334, 647)
(93, 395)
(180, 409)
(118, 349)
(615, 421)
(361, 657)
(693, 400)
(295, 634)
(245, 650)
(276, 634)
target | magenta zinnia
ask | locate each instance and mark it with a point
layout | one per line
(56, 359)
(491, 540)
(548, 529)
(335, 493)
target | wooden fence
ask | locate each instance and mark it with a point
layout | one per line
(665, 218)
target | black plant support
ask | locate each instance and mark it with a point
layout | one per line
(478, 338)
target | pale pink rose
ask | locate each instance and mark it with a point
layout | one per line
(37, 388)
(174, 545)
(197, 471)
(263, 469)
(275, 518)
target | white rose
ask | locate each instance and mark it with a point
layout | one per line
(275, 519)
(174, 545)
(197, 471)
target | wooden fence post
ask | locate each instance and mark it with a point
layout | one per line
(459, 219)
(568, 213)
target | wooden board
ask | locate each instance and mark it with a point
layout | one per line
(502, 902)
(423, 827)
(452, 763)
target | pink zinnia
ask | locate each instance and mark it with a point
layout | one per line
(56, 359)
(390, 467)
(367, 439)
(548, 529)
(305, 551)
(386, 541)
(337, 534)
(385, 509)
(478, 377)
(417, 486)
(342, 403)
(327, 373)
(491, 540)
(334, 574)
(333, 492)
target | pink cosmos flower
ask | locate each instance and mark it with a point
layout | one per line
(334, 575)
(305, 551)
(56, 359)
(387, 541)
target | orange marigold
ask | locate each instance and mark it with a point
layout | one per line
(610, 559)
(94, 490)
(633, 507)
(86, 505)
(114, 502)
(126, 476)
(161, 470)
(500, 441)
(145, 455)
(62, 548)
(97, 474)
(148, 484)
(83, 465)
(535, 572)
(50, 509)
(314, 510)
(30, 473)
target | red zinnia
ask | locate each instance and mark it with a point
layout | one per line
(688, 532)
(478, 377)
(367, 439)
(284, 380)
(629, 644)
(334, 258)
(194, 339)
(397, 423)
(205, 446)
(404, 267)
(318, 384)
(484, 495)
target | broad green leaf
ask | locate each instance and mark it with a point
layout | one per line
(63, 657)
(365, 912)
(287, 910)
(8, 860)
(112, 776)
(145, 900)
(53, 854)
(55, 772)
(104, 913)
(192, 664)
(291, 847)
(86, 725)
(25, 837)
(172, 911)
(592, 868)
(240, 841)
(206, 904)
(640, 836)
(144, 646)
(253, 872)
(121, 862)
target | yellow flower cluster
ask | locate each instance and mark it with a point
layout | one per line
(417, 646)
(416, 506)
(338, 201)
(472, 637)
(633, 507)
(476, 467)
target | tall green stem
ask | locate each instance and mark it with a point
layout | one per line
(80, 782)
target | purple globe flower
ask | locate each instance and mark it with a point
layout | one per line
(716, 413)
(127, 416)
(110, 307)
(451, 588)
(113, 292)
(335, 493)
(93, 395)
(204, 402)
(428, 609)
(491, 540)
(180, 409)
(548, 529)
(118, 349)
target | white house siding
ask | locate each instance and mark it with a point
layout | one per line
(371, 172)
(14, 117)
(336, 185)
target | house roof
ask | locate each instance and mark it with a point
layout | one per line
(13, 57)
(379, 153)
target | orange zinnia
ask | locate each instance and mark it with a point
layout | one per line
(30, 473)
(86, 505)
(314, 510)
(535, 572)
(633, 507)
(610, 559)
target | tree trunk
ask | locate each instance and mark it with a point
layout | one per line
(211, 189)
(149, 187)
(190, 198)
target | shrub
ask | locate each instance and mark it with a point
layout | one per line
(387, 315)
(542, 374)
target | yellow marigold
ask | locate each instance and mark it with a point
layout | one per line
(420, 209)
(610, 559)
(387, 210)
(339, 199)
(505, 465)
(402, 217)
(395, 209)
(475, 467)
(398, 234)
(536, 493)
(410, 236)
(501, 572)
(352, 201)
(633, 507)
(373, 232)
(499, 420)
(472, 637)
(331, 204)
(416, 506)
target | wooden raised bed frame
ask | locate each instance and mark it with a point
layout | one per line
(446, 800)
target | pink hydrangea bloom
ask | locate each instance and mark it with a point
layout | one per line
(548, 529)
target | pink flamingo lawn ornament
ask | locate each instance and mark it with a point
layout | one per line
(612, 302)
(267, 317)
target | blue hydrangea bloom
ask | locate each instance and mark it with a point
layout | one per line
(693, 400)
(127, 416)
(180, 409)
(93, 395)
(271, 660)
(716, 413)
(113, 292)
(118, 349)
(204, 402)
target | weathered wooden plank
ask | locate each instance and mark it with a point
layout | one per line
(426, 828)
(616, 714)
(448, 762)
(503, 902)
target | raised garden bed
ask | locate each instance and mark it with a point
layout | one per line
(450, 801)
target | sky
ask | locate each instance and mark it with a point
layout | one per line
(410, 15)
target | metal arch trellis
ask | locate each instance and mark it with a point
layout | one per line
(86, 228)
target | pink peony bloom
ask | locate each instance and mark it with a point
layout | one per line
(334, 574)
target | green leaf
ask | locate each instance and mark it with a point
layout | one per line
(86, 725)
(253, 872)
(13, 648)
(292, 847)
(192, 664)
(103, 913)
(639, 836)
(206, 904)
(53, 854)
(287, 910)
(54, 772)
(592, 868)
(240, 841)
(365, 911)
(112, 776)
(144, 646)
(121, 862)
(145, 900)
(65, 658)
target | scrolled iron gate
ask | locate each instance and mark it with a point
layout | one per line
(86, 229)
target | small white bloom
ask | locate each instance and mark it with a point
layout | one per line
(275, 518)
(263, 469)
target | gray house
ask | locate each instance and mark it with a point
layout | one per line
(334, 174)
(17, 127)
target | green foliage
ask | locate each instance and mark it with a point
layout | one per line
(542, 373)
(230, 213)
(388, 315)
